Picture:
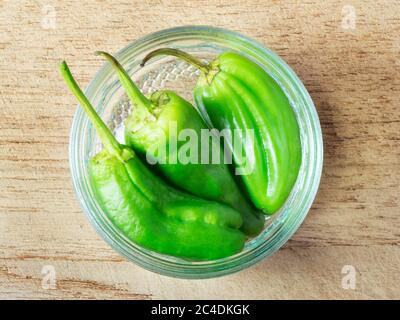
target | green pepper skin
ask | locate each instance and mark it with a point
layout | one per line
(147, 130)
(242, 95)
(234, 92)
(150, 212)
(181, 228)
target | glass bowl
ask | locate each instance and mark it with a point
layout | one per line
(108, 97)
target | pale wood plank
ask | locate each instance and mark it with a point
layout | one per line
(352, 75)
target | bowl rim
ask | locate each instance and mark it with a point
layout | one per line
(219, 269)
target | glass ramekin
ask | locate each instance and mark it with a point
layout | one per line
(105, 91)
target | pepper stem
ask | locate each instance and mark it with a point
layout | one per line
(135, 95)
(107, 138)
(203, 67)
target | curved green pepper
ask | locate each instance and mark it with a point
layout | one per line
(149, 129)
(150, 212)
(236, 93)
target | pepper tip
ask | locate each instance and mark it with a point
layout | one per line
(63, 66)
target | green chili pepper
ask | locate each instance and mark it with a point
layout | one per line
(148, 130)
(150, 212)
(235, 92)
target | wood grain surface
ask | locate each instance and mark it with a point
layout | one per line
(347, 53)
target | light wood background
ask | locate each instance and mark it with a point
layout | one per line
(352, 73)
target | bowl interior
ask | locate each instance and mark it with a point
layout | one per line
(110, 100)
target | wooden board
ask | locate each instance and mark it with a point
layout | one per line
(346, 53)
